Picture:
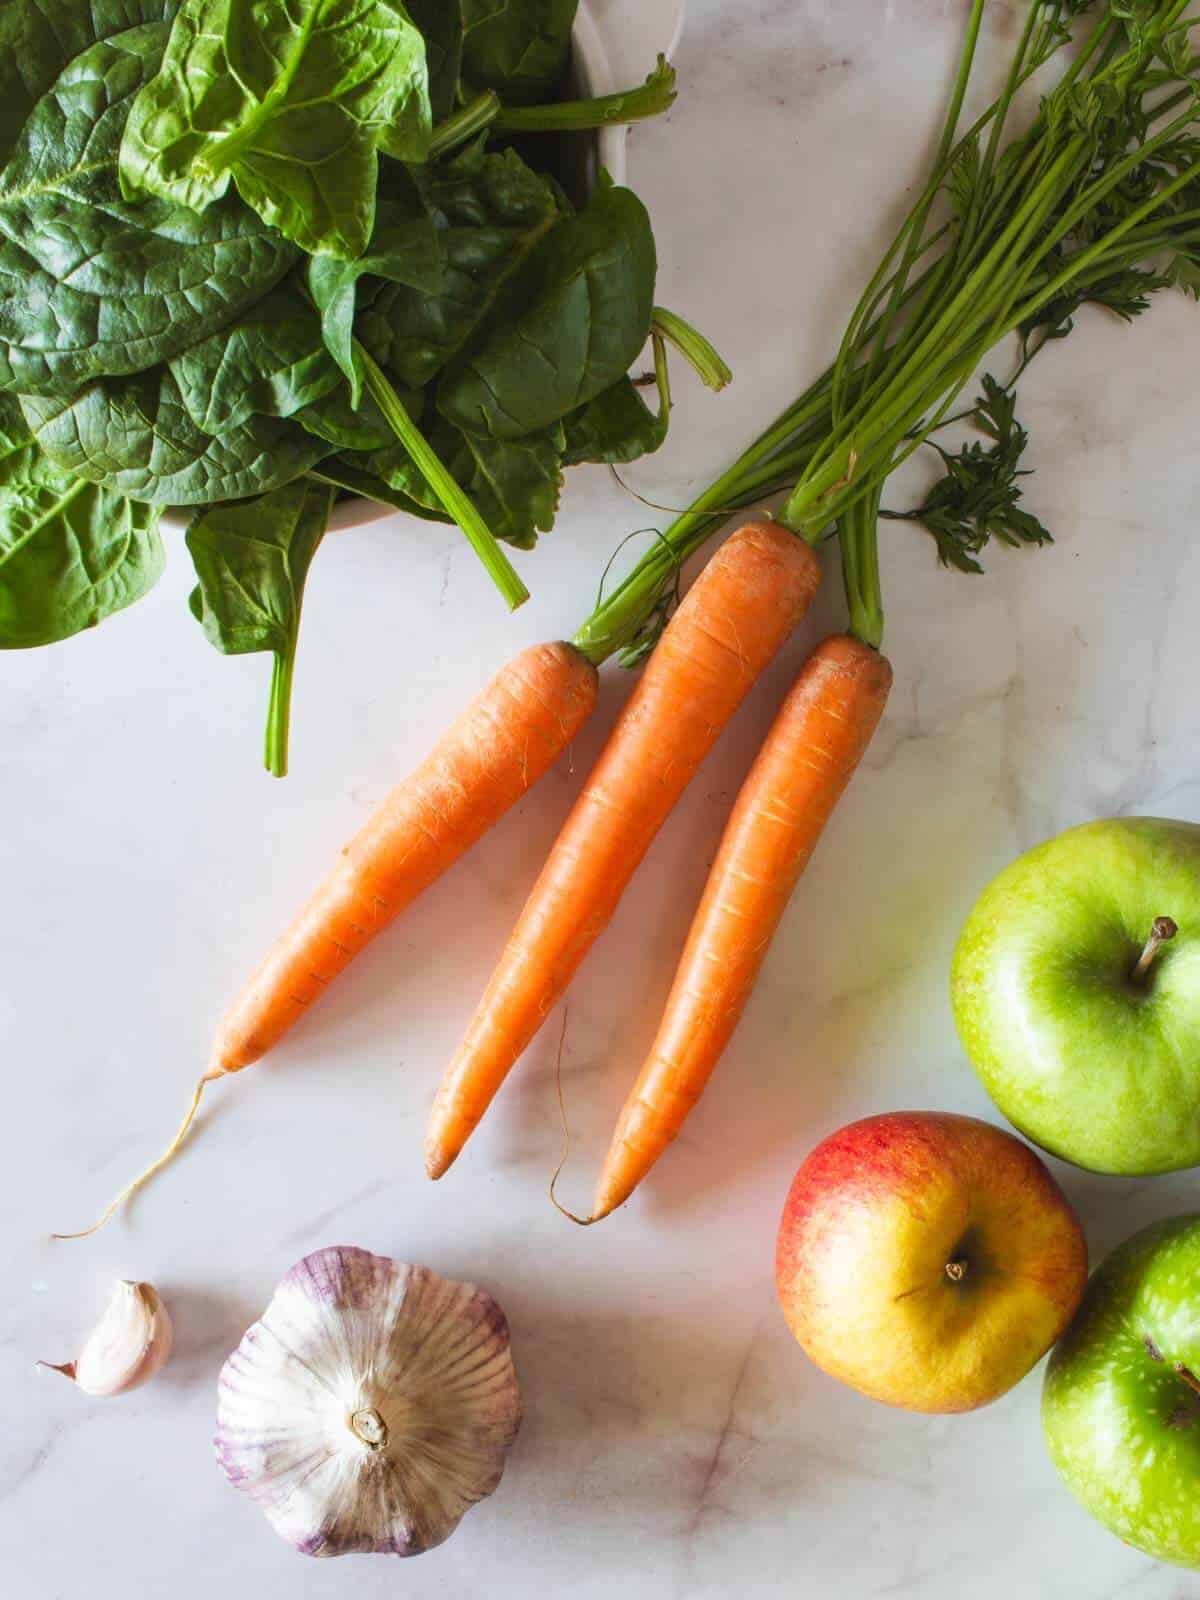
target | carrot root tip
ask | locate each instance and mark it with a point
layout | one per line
(167, 1156)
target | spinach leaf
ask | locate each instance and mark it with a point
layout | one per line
(361, 428)
(404, 249)
(135, 435)
(39, 37)
(71, 552)
(335, 420)
(20, 459)
(588, 294)
(517, 47)
(293, 102)
(514, 483)
(617, 425)
(252, 560)
(442, 25)
(491, 211)
(272, 362)
(89, 285)
(353, 472)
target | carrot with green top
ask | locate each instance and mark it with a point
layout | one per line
(810, 754)
(729, 626)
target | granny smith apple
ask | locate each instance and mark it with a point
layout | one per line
(1076, 989)
(927, 1260)
(1121, 1403)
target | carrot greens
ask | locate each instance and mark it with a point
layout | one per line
(1096, 199)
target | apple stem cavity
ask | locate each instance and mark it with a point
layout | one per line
(956, 1269)
(1162, 929)
(1188, 1376)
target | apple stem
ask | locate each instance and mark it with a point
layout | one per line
(1188, 1376)
(1162, 929)
(956, 1270)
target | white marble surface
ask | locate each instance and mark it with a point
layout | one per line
(676, 1443)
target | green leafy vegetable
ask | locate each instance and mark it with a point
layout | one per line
(364, 429)
(405, 249)
(584, 313)
(517, 47)
(490, 211)
(978, 498)
(450, 494)
(293, 102)
(236, 274)
(38, 38)
(71, 552)
(616, 426)
(440, 21)
(252, 560)
(355, 473)
(272, 362)
(90, 285)
(135, 435)
(515, 483)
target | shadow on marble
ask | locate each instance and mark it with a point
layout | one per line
(208, 1326)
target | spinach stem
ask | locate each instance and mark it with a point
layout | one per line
(649, 99)
(706, 362)
(469, 120)
(279, 712)
(481, 538)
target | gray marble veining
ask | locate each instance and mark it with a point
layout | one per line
(676, 1442)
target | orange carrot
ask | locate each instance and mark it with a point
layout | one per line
(810, 755)
(731, 623)
(483, 764)
(479, 769)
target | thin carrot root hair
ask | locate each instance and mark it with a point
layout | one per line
(580, 1222)
(155, 1167)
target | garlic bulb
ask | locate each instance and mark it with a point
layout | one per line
(127, 1346)
(372, 1404)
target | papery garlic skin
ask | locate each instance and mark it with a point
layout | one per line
(129, 1344)
(370, 1407)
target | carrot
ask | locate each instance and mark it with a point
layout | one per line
(483, 764)
(810, 754)
(731, 623)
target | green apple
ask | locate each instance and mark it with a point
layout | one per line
(1121, 1402)
(1076, 990)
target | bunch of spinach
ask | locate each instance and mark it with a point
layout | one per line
(256, 256)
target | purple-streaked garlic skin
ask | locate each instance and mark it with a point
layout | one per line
(370, 1407)
(125, 1349)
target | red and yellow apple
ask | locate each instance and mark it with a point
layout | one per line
(928, 1260)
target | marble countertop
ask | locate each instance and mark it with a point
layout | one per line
(676, 1443)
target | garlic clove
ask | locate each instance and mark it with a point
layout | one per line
(371, 1406)
(129, 1344)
